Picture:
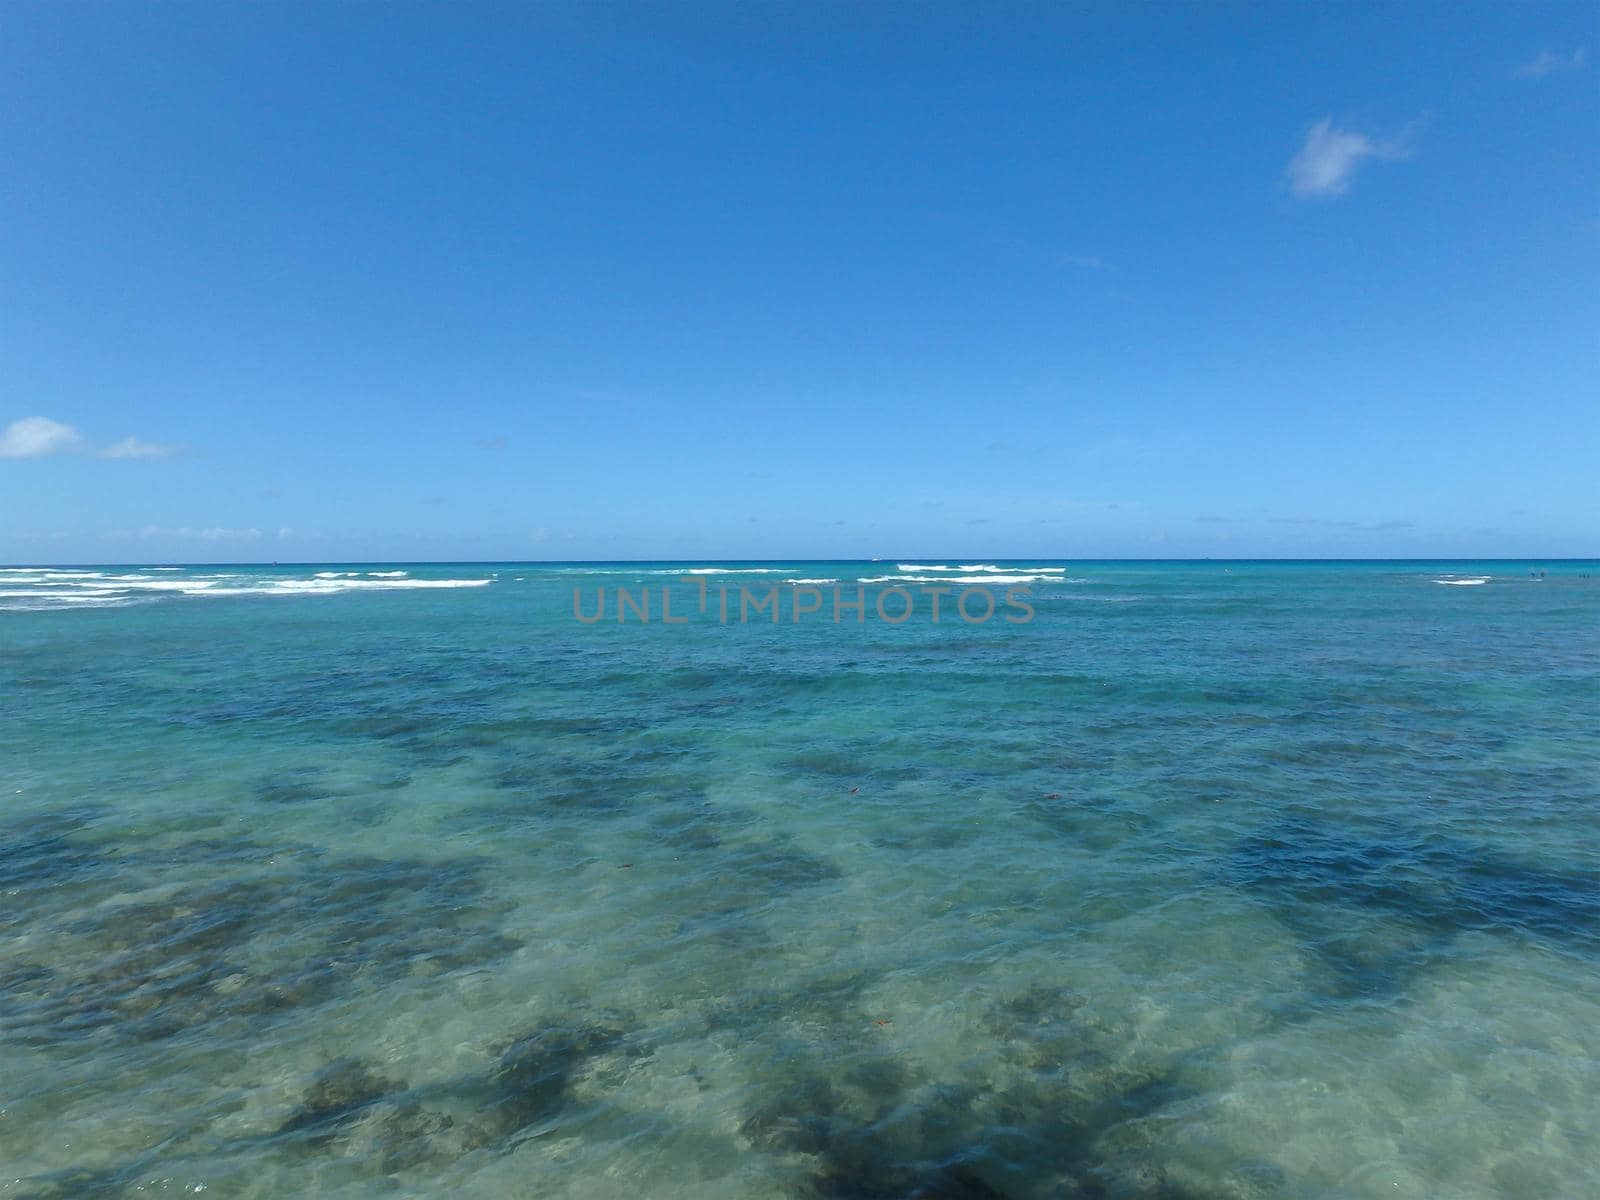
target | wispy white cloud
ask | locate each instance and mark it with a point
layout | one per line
(132, 447)
(212, 534)
(1331, 156)
(1322, 523)
(35, 437)
(1549, 62)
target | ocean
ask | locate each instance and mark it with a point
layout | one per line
(1135, 880)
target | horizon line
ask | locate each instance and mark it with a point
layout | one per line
(580, 562)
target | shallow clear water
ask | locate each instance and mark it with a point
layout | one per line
(1211, 880)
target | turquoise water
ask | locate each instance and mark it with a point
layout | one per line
(1210, 880)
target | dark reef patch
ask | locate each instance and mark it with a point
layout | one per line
(297, 785)
(289, 930)
(338, 1093)
(1046, 1029)
(534, 1075)
(599, 783)
(689, 827)
(827, 999)
(869, 1126)
(773, 866)
(450, 733)
(916, 838)
(735, 881)
(384, 725)
(351, 1110)
(739, 877)
(74, 1183)
(889, 1140)
(1094, 821)
(47, 850)
(859, 763)
(1318, 878)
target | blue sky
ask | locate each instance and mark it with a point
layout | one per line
(324, 282)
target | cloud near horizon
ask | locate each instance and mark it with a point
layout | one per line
(35, 437)
(39, 437)
(132, 447)
(212, 534)
(1331, 156)
(1548, 62)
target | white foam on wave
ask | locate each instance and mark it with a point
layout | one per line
(330, 587)
(999, 579)
(48, 574)
(1030, 570)
(1464, 582)
(724, 571)
(971, 580)
(166, 585)
(44, 601)
(61, 585)
(985, 568)
(810, 581)
(34, 592)
(671, 572)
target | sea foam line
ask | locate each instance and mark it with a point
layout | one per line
(976, 580)
(986, 568)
